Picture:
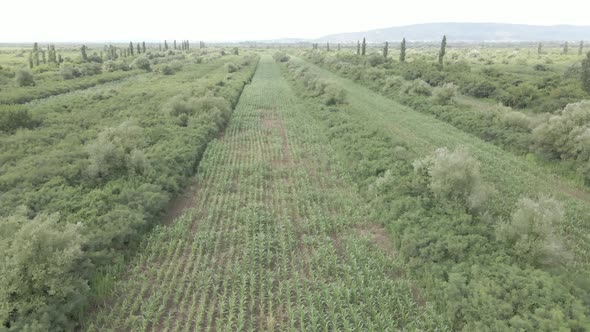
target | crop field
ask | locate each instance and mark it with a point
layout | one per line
(274, 239)
(233, 187)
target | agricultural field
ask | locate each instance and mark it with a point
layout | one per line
(325, 187)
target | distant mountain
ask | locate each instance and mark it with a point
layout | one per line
(468, 32)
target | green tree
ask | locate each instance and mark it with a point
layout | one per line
(402, 52)
(52, 55)
(539, 49)
(565, 48)
(165, 45)
(31, 60)
(581, 48)
(23, 77)
(443, 51)
(530, 232)
(364, 47)
(174, 43)
(328, 46)
(138, 48)
(143, 47)
(41, 282)
(35, 47)
(59, 59)
(358, 47)
(43, 57)
(385, 50)
(586, 73)
(131, 48)
(453, 177)
(83, 50)
(36, 58)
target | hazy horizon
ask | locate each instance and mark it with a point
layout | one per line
(227, 21)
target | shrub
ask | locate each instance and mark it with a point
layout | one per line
(334, 95)
(393, 83)
(13, 117)
(117, 149)
(281, 57)
(90, 68)
(24, 77)
(417, 87)
(40, 278)
(141, 62)
(444, 95)
(232, 67)
(375, 59)
(563, 135)
(68, 72)
(529, 233)
(191, 106)
(167, 70)
(453, 177)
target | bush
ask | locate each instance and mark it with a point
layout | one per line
(13, 117)
(90, 68)
(334, 95)
(375, 59)
(520, 96)
(191, 106)
(114, 65)
(232, 67)
(417, 87)
(167, 70)
(393, 84)
(141, 62)
(68, 72)
(24, 77)
(562, 135)
(117, 150)
(480, 89)
(40, 279)
(530, 233)
(453, 177)
(444, 95)
(281, 57)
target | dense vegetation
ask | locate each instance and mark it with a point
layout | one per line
(83, 174)
(356, 187)
(492, 251)
(530, 95)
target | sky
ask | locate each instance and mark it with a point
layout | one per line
(223, 20)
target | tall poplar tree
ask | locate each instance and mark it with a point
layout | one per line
(131, 48)
(84, 54)
(364, 47)
(402, 51)
(586, 73)
(386, 50)
(443, 51)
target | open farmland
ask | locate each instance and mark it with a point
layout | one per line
(333, 187)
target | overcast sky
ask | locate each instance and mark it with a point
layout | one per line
(216, 20)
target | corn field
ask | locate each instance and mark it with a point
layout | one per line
(275, 239)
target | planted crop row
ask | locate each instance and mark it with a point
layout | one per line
(276, 238)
